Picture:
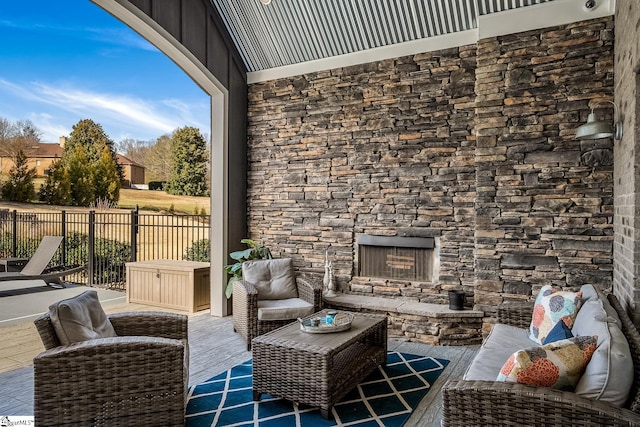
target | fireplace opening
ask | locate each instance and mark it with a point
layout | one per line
(402, 258)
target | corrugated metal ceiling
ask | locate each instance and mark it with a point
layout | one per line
(288, 32)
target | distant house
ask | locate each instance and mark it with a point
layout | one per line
(42, 155)
(133, 172)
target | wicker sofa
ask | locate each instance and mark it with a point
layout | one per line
(136, 378)
(473, 402)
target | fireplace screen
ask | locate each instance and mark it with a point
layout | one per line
(405, 258)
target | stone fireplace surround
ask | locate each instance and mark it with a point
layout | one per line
(471, 145)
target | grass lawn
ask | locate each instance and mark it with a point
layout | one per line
(146, 200)
(149, 200)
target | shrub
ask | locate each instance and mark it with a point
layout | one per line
(109, 257)
(199, 251)
(156, 185)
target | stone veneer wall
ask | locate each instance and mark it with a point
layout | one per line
(544, 207)
(385, 148)
(626, 277)
(389, 148)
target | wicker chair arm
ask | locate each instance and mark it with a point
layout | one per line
(310, 291)
(122, 380)
(151, 324)
(245, 287)
(47, 333)
(245, 310)
(467, 403)
(518, 315)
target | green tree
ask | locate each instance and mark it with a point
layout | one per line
(80, 177)
(100, 175)
(56, 189)
(20, 186)
(189, 163)
(91, 137)
(106, 179)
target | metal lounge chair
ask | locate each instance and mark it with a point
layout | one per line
(36, 267)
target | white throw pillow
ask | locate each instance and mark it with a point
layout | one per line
(609, 374)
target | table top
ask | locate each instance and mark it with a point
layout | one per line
(291, 336)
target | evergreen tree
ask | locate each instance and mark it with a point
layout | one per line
(20, 186)
(91, 137)
(106, 178)
(100, 175)
(189, 163)
(80, 177)
(56, 189)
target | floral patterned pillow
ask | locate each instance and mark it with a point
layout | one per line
(552, 305)
(557, 365)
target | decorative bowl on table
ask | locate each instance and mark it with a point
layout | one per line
(341, 321)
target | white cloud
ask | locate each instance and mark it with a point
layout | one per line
(51, 130)
(54, 108)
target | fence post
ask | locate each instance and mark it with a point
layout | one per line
(134, 234)
(64, 237)
(92, 242)
(14, 218)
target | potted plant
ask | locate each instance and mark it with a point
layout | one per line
(255, 251)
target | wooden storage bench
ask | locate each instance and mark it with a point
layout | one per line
(181, 285)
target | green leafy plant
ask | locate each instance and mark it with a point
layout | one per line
(255, 251)
(199, 251)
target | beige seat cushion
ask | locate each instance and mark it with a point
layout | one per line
(501, 343)
(273, 278)
(284, 309)
(80, 318)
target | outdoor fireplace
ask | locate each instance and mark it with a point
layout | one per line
(398, 258)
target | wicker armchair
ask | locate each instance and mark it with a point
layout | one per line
(246, 321)
(137, 378)
(467, 403)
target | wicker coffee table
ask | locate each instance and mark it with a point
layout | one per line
(318, 369)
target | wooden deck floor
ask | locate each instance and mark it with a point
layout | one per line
(214, 348)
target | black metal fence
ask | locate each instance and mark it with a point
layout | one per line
(105, 241)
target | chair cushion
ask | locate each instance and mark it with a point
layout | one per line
(80, 318)
(552, 305)
(609, 375)
(557, 365)
(497, 347)
(283, 309)
(273, 278)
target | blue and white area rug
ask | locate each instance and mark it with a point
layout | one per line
(385, 398)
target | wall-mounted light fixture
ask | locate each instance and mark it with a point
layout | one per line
(265, 2)
(595, 129)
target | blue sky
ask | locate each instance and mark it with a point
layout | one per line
(63, 61)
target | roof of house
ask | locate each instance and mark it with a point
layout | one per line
(44, 150)
(51, 150)
(127, 161)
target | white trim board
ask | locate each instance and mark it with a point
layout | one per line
(549, 14)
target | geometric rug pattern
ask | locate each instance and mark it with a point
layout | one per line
(385, 398)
